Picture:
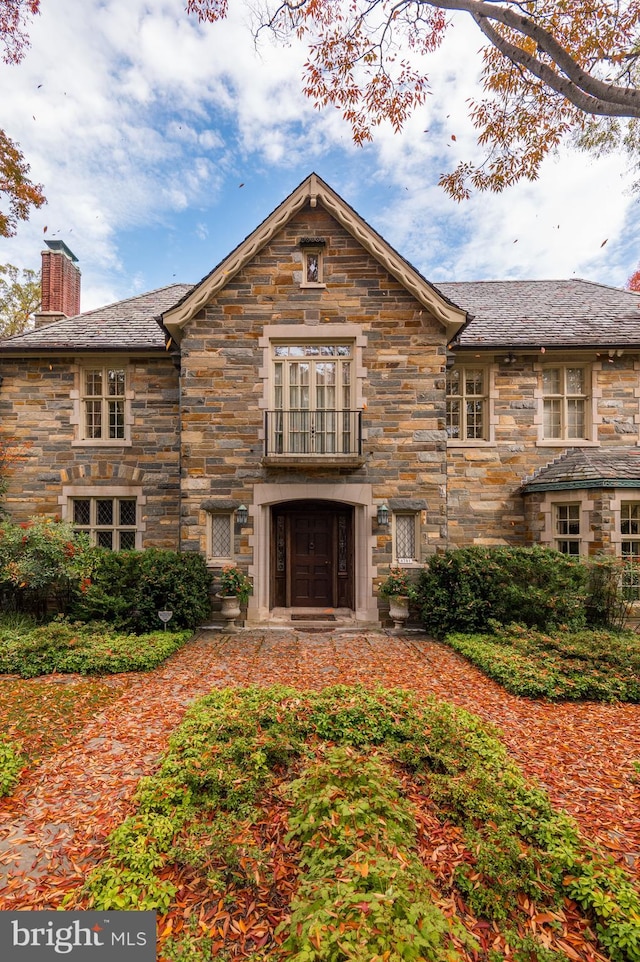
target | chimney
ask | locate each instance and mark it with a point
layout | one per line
(60, 284)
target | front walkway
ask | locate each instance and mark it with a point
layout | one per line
(54, 828)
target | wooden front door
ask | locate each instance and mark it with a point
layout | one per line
(311, 540)
(312, 555)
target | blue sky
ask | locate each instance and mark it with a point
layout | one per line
(162, 143)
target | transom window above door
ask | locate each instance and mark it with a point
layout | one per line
(312, 408)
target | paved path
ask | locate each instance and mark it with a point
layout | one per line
(54, 827)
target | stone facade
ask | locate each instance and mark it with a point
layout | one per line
(206, 415)
(37, 415)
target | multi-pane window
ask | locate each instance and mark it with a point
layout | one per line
(405, 535)
(110, 522)
(467, 404)
(567, 528)
(312, 400)
(103, 404)
(221, 536)
(564, 404)
(630, 548)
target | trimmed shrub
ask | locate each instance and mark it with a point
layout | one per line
(468, 589)
(42, 561)
(128, 588)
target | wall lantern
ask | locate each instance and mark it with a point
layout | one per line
(242, 514)
(383, 515)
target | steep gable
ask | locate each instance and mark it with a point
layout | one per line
(313, 192)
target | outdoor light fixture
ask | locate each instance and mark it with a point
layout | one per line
(383, 514)
(510, 358)
(242, 514)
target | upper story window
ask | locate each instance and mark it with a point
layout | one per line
(312, 262)
(565, 397)
(467, 403)
(312, 399)
(103, 401)
(567, 528)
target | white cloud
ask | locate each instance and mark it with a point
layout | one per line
(139, 120)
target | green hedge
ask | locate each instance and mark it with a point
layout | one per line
(128, 588)
(468, 589)
(562, 665)
(94, 649)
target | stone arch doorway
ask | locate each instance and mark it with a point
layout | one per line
(312, 555)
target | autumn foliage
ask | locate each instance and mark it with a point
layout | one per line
(18, 194)
(550, 70)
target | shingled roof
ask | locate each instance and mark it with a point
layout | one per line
(506, 315)
(588, 468)
(533, 314)
(134, 323)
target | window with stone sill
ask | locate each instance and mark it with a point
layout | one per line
(467, 403)
(312, 399)
(312, 264)
(565, 403)
(220, 537)
(110, 522)
(405, 537)
(567, 523)
(630, 548)
(104, 404)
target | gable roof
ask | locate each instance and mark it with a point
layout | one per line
(586, 468)
(533, 314)
(314, 191)
(130, 324)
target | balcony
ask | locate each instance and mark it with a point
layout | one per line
(313, 438)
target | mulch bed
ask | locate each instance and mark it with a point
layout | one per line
(53, 829)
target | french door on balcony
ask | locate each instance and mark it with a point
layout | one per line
(312, 397)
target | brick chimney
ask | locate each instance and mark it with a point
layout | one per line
(60, 284)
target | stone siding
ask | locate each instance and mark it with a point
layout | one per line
(37, 416)
(484, 502)
(224, 380)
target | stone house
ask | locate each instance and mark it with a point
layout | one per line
(315, 410)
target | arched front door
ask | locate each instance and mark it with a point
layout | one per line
(312, 555)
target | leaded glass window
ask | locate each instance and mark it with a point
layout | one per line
(110, 522)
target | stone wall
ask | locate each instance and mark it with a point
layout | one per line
(225, 370)
(37, 417)
(484, 479)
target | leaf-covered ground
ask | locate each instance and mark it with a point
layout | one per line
(54, 827)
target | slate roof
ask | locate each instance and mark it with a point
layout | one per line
(534, 314)
(588, 468)
(505, 315)
(132, 323)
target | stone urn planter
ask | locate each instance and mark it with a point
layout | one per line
(399, 610)
(230, 610)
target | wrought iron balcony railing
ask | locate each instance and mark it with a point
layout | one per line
(303, 433)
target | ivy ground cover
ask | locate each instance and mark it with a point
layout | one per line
(283, 825)
(582, 753)
(559, 665)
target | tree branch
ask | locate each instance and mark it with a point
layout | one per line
(598, 92)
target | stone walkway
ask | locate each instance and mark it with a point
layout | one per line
(55, 826)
